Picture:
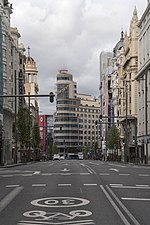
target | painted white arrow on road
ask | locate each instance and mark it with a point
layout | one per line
(114, 170)
(65, 170)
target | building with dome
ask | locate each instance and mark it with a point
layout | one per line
(31, 85)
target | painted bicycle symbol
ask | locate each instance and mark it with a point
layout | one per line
(42, 215)
(60, 202)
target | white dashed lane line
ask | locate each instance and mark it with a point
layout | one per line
(27, 175)
(38, 185)
(64, 185)
(124, 174)
(7, 175)
(143, 175)
(12, 185)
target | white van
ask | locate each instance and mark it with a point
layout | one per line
(80, 155)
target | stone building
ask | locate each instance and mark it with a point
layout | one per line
(31, 86)
(122, 91)
(143, 79)
(8, 82)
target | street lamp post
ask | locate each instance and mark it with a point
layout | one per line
(16, 152)
(146, 125)
(126, 128)
(29, 151)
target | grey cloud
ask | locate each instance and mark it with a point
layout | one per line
(71, 34)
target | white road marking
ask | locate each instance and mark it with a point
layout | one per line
(115, 184)
(114, 170)
(115, 206)
(144, 175)
(123, 207)
(96, 164)
(6, 200)
(12, 185)
(84, 173)
(142, 185)
(38, 185)
(27, 175)
(111, 164)
(46, 174)
(57, 202)
(64, 184)
(131, 187)
(50, 174)
(136, 199)
(65, 170)
(36, 172)
(81, 222)
(90, 184)
(7, 175)
(89, 171)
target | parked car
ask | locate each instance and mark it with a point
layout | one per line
(62, 157)
(56, 157)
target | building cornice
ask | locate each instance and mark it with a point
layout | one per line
(144, 15)
(142, 70)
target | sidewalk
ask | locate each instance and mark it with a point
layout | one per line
(18, 164)
(130, 163)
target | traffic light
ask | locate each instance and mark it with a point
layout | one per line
(100, 118)
(51, 97)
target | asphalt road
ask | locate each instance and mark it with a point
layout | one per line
(73, 192)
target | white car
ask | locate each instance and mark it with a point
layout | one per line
(62, 157)
(56, 157)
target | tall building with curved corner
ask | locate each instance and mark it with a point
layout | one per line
(75, 118)
(66, 125)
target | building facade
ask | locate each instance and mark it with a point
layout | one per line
(66, 125)
(119, 89)
(12, 84)
(9, 83)
(143, 78)
(31, 86)
(74, 121)
(106, 107)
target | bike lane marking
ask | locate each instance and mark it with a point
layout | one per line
(60, 202)
(57, 218)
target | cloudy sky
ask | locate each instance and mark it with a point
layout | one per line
(70, 34)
